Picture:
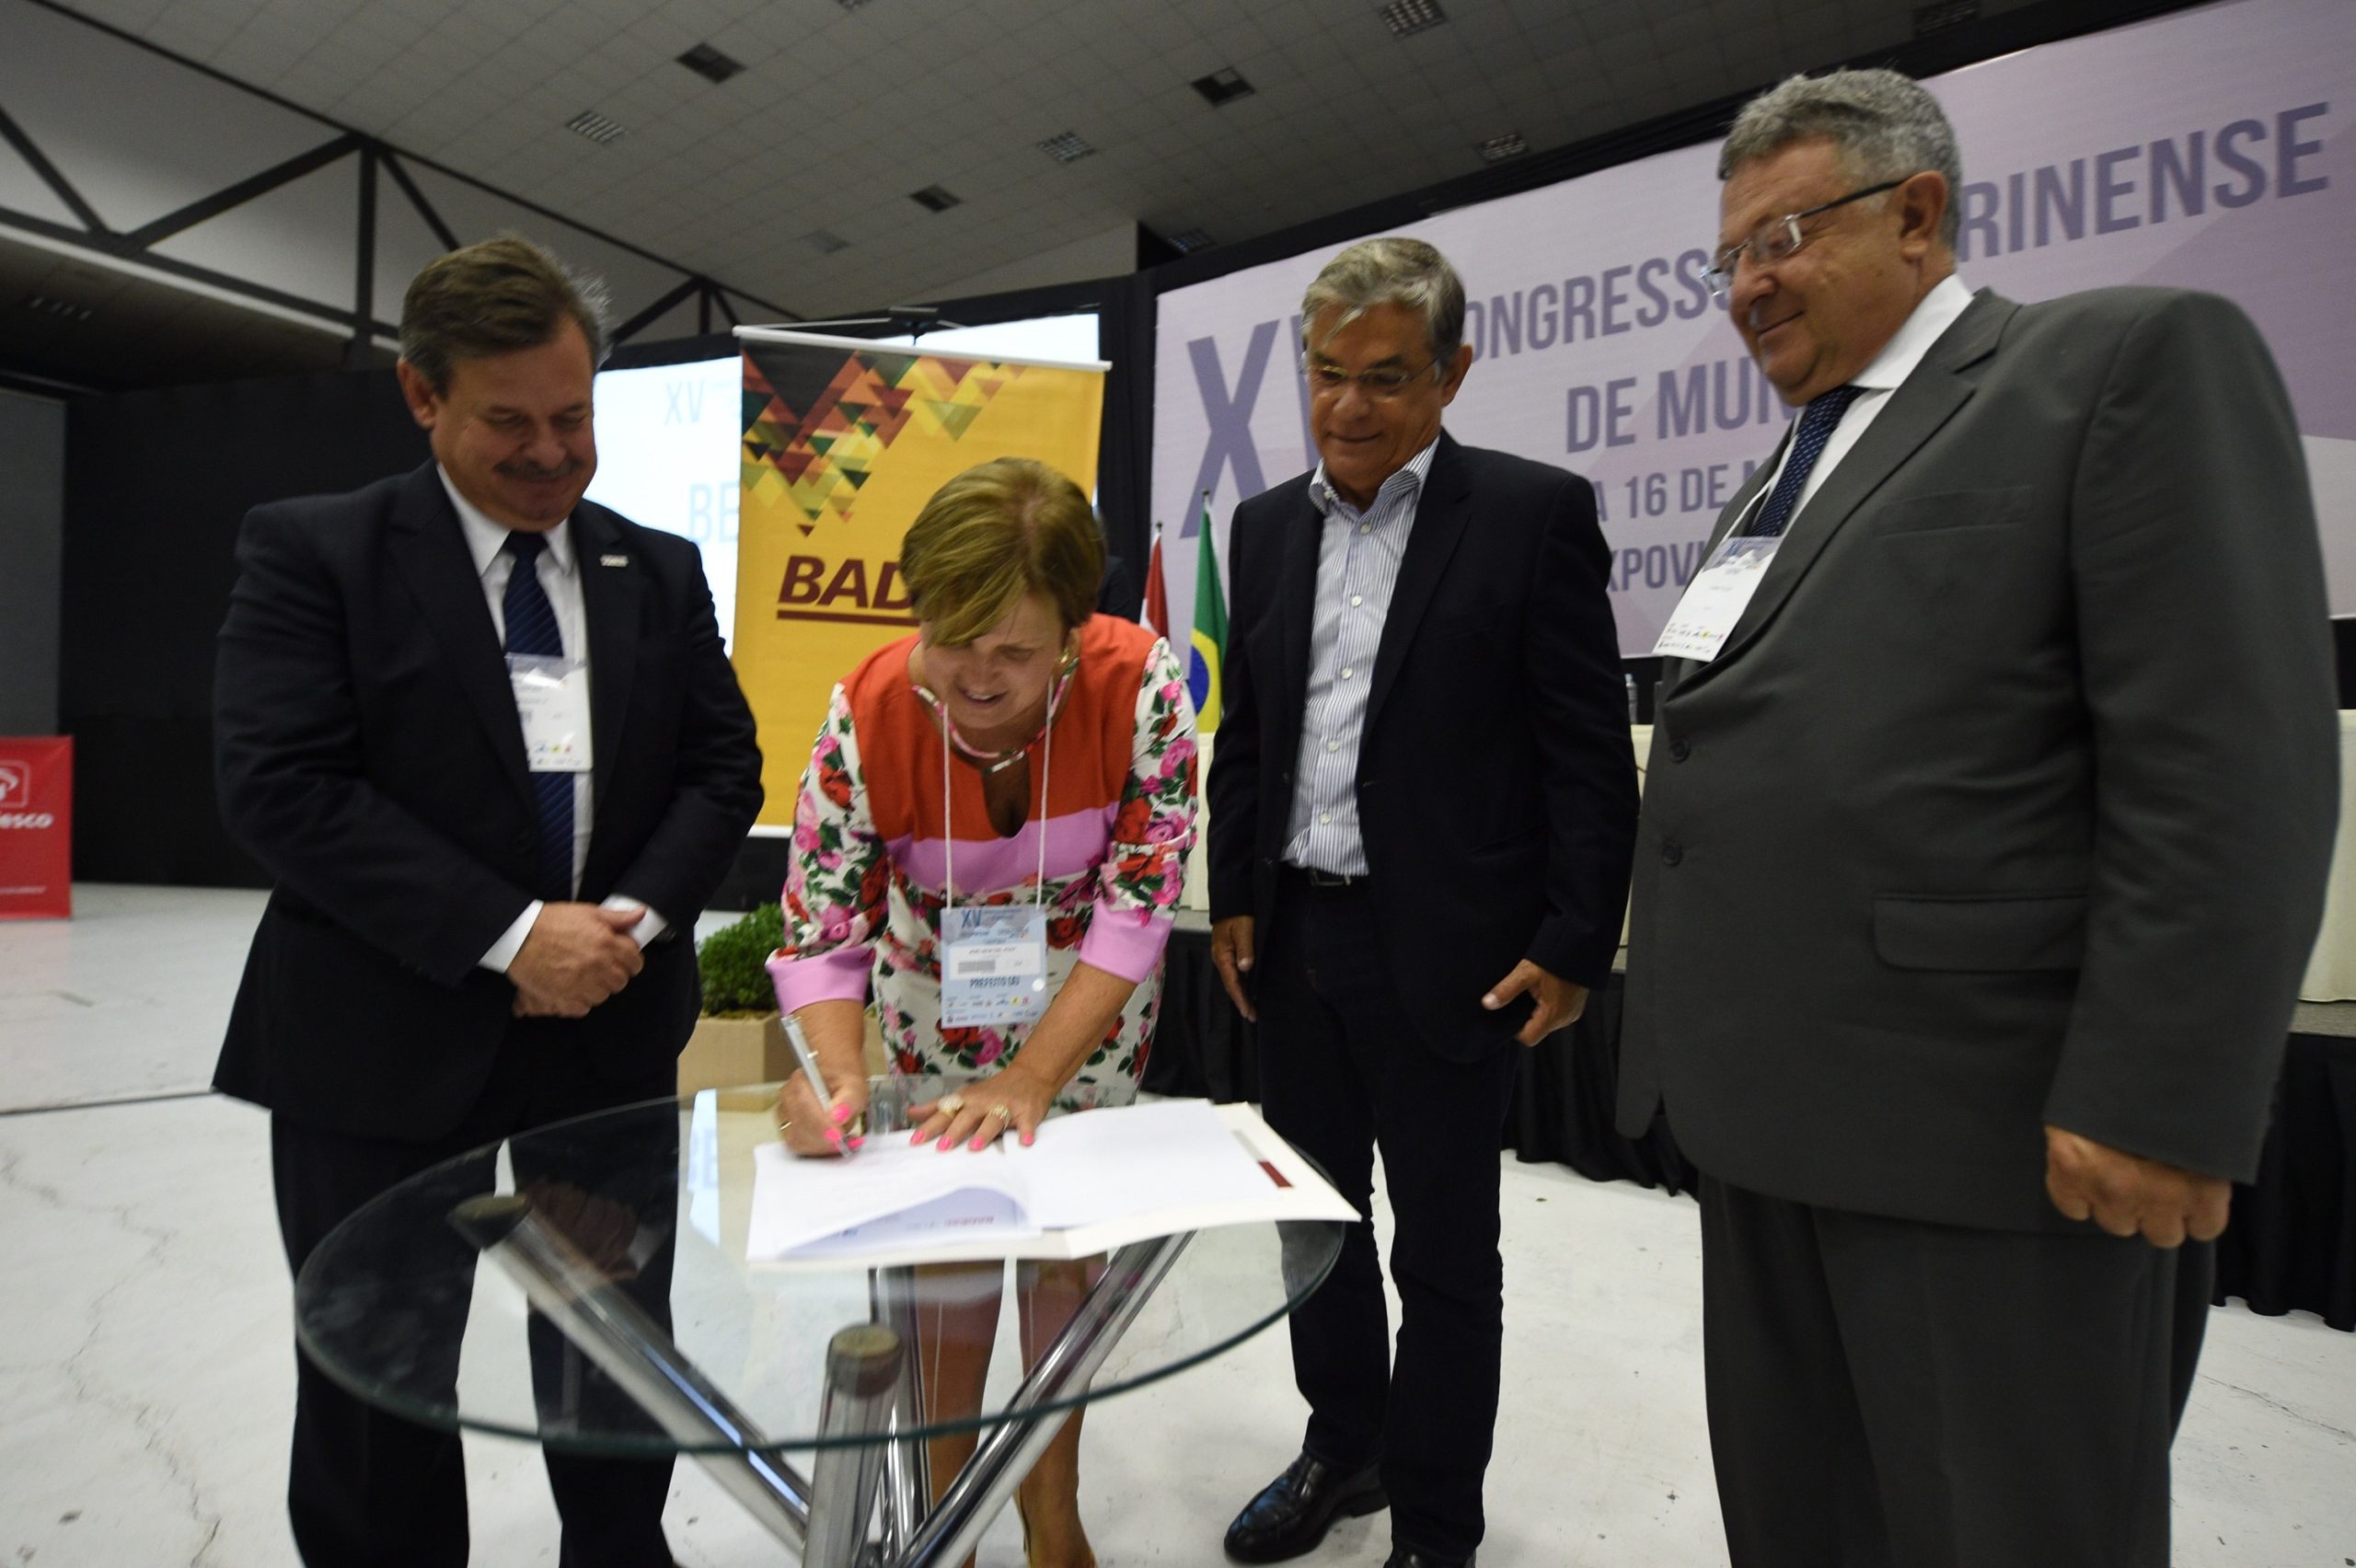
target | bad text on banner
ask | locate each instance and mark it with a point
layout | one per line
(844, 442)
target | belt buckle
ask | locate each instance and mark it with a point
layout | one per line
(1328, 879)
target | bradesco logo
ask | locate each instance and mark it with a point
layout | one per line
(15, 793)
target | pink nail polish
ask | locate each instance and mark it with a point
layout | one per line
(918, 1139)
(977, 1144)
(842, 1114)
(947, 1142)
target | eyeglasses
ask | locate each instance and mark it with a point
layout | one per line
(1775, 240)
(1382, 384)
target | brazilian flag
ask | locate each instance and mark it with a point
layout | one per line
(1210, 630)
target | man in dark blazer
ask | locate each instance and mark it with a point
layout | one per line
(465, 938)
(1982, 853)
(1422, 799)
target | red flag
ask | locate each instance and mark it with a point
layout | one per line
(1157, 598)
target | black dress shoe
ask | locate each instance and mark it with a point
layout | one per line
(1291, 1515)
(1413, 1557)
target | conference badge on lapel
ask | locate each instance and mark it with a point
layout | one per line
(613, 560)
(552, 699)
(1716, 599)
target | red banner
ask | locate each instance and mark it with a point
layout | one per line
(36, 827)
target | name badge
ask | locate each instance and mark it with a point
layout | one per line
(1716, 597)
(552, 699)
(993, 965)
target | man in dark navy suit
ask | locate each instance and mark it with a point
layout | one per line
(1423, 804)
(483, 736)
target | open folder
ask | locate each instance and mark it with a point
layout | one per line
(1092, 1180)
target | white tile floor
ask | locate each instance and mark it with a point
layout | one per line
(145, 1367)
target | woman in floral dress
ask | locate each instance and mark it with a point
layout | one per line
(1018, 749)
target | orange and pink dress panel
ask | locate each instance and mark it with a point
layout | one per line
(873, 839)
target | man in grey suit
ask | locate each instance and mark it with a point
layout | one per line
(1980, 855)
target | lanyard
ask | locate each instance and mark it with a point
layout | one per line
(949, 817)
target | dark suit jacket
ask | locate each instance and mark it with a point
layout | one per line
(2010, 800)
(370, 758)
(1497, 788)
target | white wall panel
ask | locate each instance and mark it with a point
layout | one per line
(122, 123)
(297, 238)
(474, 213)
(404, 245)
(27, 191)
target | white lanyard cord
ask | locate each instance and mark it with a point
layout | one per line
(949, 818)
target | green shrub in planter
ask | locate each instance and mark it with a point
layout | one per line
(734, 958)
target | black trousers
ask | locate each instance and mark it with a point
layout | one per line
(1342, 1073)
(366, 1489)
(1884, 1393)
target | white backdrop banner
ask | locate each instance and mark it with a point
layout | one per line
(2210, 149)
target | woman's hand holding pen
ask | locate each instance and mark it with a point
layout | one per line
(812, 1129)
(816, 1126)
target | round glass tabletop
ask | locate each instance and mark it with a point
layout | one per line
(636, 1221)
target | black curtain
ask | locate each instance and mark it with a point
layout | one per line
(1124, 325)
(155, 486)
(2291, 1245)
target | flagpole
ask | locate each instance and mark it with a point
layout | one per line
(1154, 610)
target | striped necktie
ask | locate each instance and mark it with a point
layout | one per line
(1818, 422)
(532, 629)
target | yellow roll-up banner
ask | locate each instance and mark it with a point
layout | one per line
(844, 442)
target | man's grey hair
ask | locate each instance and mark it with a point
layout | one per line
(1393, 270)
(1884, 125)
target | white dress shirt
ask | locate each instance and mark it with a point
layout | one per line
(1933, 314)
(560, 580)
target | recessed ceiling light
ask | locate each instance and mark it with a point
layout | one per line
(1190, 241)
(602, 129)
(710, 64)
(1944, 14)
(1497, 149)
(1404, 16)
(932, 198)
(825, 242)
(1223, 86)
(1065, 147)
(64, 310)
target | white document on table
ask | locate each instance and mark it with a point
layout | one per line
(1092, 1180)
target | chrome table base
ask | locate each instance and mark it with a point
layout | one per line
(874, 1394)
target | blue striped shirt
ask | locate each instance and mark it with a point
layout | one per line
(1358, 565)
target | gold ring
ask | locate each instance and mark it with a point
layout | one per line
(1001, 1112)
(953, 1103)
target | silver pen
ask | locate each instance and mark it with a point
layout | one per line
(809, 1060)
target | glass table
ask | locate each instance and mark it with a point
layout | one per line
(619, 1317)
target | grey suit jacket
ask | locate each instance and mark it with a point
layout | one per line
(2011, 798)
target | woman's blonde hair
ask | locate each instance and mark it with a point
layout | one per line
(993, 534)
